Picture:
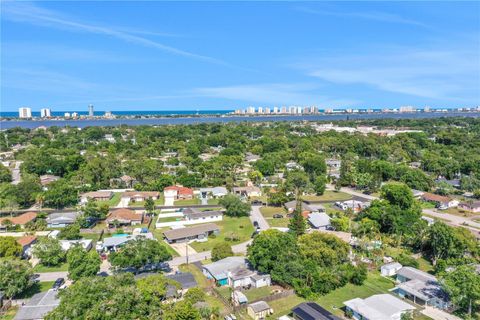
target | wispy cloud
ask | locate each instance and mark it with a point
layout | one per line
(373, 16)
(437, 74)
(33, 14)
(273, 93)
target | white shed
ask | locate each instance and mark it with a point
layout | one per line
(390, 269)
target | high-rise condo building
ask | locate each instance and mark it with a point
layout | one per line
(90, 110)
(275, 109)
(45, 112)
(24, 113)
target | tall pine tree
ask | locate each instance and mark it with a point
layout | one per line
(297, 223)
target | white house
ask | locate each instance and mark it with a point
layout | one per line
(378, 307)
(390, 269)
(67, 244)
(319, 220)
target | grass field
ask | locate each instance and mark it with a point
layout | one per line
(268, 213)
(203, 283)
(41, 268)
(37, 287)
(91, 236)
(158, 202)
(242, 227)
(329, 196)
(10, 313)
(113, 202)
(374, 284)
(283, 306)
(157, 233)
(187, 202)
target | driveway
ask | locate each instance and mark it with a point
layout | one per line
(124, 201)
(181, 248)
(16, 178)
(438, 314)
(51, 276)
(256, 215)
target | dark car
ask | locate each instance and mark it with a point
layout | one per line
(58, 283)
(277, 216)
(255, 224)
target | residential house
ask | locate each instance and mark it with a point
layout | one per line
(181, 192)
(193, 215)
(20, 220)
(27, 242)
(333, 164)
(84, 243)
(420, 287)
(312, 311)
(124, 217)
(470, 206)
(378, 307)
(455, 183)
(186, 281)
(215, 192)
(219, 270)
(243, 277)
(110, 138)
(247, 192)
(118, 241)
(38, 306)
(139, 196)
(46, 179)
(127, 180)
(355, 205)
(390, 269)
(417, 194)
(197, 233)
(61, 219)
(250, 157)
(96, 196)
(259, 310)
(239, 298)
(441, 202)
(319, 220)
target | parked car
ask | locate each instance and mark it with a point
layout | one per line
(255, 224)
(58, 283)
(277, 216)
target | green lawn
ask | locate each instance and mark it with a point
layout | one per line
(91, 236)
(283, 306)
(41, 268)
(242, 227)
(37, 287)
(427, 205)
(10, 313)
(374, 284)
(158, 234)
(329, 196)
(159, 202)
(212, 201)
(258, 293)
(113, 202)
(169, 219)
(268, 212)
(203, 283)
(187, 202)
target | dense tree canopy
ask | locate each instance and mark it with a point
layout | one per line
(139, 252)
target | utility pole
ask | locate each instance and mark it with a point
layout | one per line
(186, 250)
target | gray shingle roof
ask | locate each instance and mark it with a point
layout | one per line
(185, 279)
(319, 219)
(412, 273)
(379, 306)
(182, 233)
(38, 306)
(259, 306)
(221, 268)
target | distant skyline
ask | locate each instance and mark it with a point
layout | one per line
(122, 56)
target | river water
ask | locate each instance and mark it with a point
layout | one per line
(224, 119)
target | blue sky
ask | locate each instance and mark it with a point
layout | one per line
(228, 55)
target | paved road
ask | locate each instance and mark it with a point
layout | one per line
(16, 173)
(438, 314)
(51, 276)
(256, 215)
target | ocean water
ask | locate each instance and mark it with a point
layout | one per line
(124, 113)
(225, 119)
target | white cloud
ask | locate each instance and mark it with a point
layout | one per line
(33, 14)
(437, 74)
(375, 16)
(273, 93)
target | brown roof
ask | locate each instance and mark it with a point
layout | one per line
(180, 190)
(26, 240)
(124, 215)
(181, 233)
(144, 194)
(435, 197)
(22, 219)
(97, 194)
